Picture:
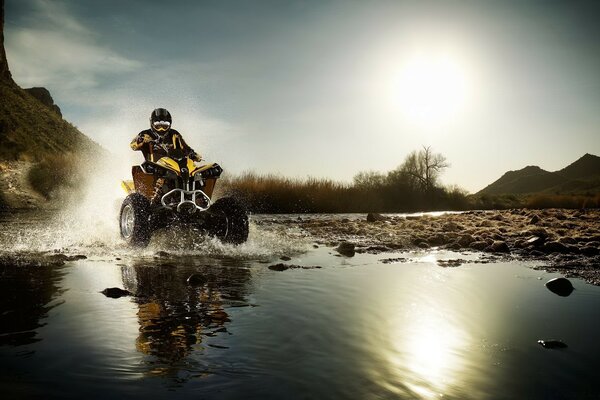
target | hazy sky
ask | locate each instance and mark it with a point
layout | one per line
(325, 88)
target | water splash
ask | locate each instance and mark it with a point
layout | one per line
(87, 223)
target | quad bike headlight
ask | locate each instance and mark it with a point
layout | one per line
(213, 172)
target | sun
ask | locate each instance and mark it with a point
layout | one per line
(432, 88)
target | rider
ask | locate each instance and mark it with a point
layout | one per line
(158, 141)
(149, 141)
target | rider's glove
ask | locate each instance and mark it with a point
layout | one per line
(195, 156)
(147, 139)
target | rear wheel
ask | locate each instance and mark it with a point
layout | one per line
(231, 222)
(133, 220)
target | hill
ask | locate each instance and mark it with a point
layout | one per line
(580, 176)
(31, 130)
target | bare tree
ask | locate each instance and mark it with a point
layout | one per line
(423, 168)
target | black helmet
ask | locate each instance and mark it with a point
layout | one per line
(160, 121)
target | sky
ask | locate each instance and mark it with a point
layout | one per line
(324, 88)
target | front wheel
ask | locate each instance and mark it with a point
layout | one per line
(231, 220)
(133, 220)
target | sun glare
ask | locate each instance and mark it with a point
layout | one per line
(432, 89)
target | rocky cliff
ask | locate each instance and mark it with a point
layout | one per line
(32, 131)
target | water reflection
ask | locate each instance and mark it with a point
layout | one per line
(28, 294)
(432, 346)
(174, 317)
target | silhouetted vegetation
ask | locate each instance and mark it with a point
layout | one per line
(413, 186)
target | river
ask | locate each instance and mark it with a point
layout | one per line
(354, 328)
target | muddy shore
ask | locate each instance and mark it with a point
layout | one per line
(565, 241)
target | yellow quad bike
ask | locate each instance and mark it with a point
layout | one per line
(186, 199)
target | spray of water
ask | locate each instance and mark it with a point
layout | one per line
(87, 223)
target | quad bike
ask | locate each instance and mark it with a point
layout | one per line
(182, 196)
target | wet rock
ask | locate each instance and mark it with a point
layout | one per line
(285, 258)
(196, 280)
(454, 246)
(394, 260)
(535, 241)
(374, 217)
(478, 245)
(451, 263)
(465, 240)
(279, 267)
(552, 344)
(115, 292)
(422, 245)
(560, 286)
(534, 220)
(219, 316)
(346, 249)
(555, 247)
(498, 247)
(284, 267)
(590, 250)
(437, 239)
(376, 249)
(161, 254)
(315, 246)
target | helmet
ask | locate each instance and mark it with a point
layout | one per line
(160, 121)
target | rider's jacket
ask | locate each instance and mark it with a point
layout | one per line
(153, 150)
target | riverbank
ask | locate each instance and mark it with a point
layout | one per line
(567, 241)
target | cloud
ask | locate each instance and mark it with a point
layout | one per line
(53, 49)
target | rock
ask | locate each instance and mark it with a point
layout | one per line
(454, 246)
(451, 263)
(285, 258)
(590, 250)
(498, 247)
(567, 240)
(115, 292)
(560, 216)
(315, 246)
(552, 344)
(451, 227)
(555, 247)
(346, 220)
(465, 240)
(478, 245)
(346, 249)
(219, 316)
(534, 220)
(535, 241)
(284, 267)
(437, 240)
(560, 286)
(279, 267)
(374, 217)
(195, 280)
(43, 96)
(422, 245)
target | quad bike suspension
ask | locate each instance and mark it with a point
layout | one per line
(157, 191)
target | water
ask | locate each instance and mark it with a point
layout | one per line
(356, 328)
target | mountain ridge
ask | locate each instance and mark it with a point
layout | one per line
(581, 175)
